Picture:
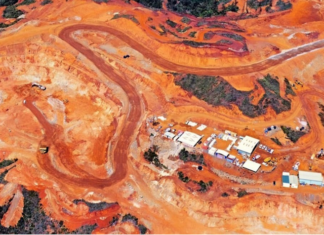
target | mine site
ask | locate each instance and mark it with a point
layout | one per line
(161, 117)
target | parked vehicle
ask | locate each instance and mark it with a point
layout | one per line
(260, 146)
(271, 151)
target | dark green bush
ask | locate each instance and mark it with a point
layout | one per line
(292, 134)
(7, 2)
(45, 2)
(12, 12)
(151, 3)
(202, 8)
(241, 193)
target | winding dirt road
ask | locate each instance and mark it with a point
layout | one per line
(121, 149)
(168, 65)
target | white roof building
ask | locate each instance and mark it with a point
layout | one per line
(309, 177)
(190, 123)
(293, 180)
(212, 151)
(247, 145)
(201, 127)
(189, 138)
(222, 152)
(169, 135)
(252, 166)
(162, 118)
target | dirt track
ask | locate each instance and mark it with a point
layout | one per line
(168, 65)
(135, 111)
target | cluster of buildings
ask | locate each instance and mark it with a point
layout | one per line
(244, 146)
(303, 178)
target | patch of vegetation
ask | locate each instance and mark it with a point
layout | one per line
(192, 34)
(130, 17)
(185, 20)
(3, 25)
(171, 23)
(94, 206)
(114, 221)
(321, 113)
(134, 220)
(35, 221)
(45, 2)
(276, 140)
(183, 178)
(289, 89)
(292, 134)
(225, 194)
(209, 35)
(151, 156)
(202, 8)
(185, 156)
(195, 44)
(255, 4)
(4, 3)
(183, 30)
(12, 12)
(26, 2)
(6, 163)
(204, 186)
(151, 3)
(218, 92)
(284, 5)
(223, 42)
(233, 36)
(241, 193)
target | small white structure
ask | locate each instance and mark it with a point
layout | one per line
(309, 177)
(252, 166)
(222, 152)
(293, 180)
(247, 145)
(211, 144)
(230, 133)
(285, 179)
(201, 127)
(190, 139)
(162, 118)
(190, 123)
(212, 151)
(169, 135)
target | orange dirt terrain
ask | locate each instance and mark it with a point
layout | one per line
(93, 93)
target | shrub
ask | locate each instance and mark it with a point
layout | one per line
(151, 3)
(130, 17)
(284, 5)
(289, 89)
(26, 2)
(192, 34)
(276, 141)
(45, 2)
(185, 156)
(241, 193)
(4, 3)
(292, 134)
(12, 12)
(201, 8)
(185, 20)
(5, 163)
(151, 156)
(225, 194)
(321, 114)
(171, 23)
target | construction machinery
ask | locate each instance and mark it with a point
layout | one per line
(43, 149)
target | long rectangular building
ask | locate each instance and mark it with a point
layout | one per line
(310, 178)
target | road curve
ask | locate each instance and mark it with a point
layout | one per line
(53, 132)
(168, 65)
(122, 146)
